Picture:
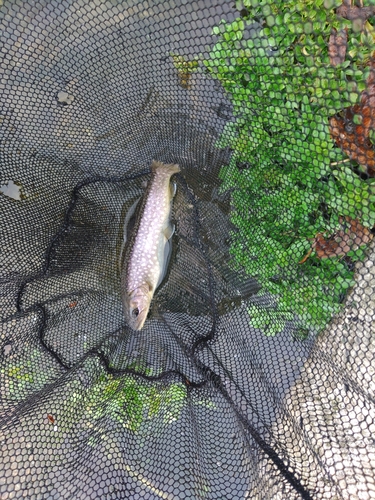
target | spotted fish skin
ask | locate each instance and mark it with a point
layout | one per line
(144, 256)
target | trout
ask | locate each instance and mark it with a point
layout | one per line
(145, 254)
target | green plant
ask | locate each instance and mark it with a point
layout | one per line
(185, 68)
(288, 179)
(131, 402)
(20, 374)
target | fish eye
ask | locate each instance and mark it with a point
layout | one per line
(135, 312)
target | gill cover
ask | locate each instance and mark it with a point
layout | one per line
(136, 307)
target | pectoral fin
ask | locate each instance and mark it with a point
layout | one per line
(165, 254)
(172, 189)
(150, 287)
(164, 260)
(169, 231)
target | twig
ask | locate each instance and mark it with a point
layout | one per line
(304, 259)
(338, 162)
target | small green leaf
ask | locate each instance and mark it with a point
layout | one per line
(290, 192)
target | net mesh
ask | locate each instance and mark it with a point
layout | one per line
(253, 374)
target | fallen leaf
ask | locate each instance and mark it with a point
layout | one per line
(184, 69)
(325, 247)
(337, 46)
(349, 237)
(355, 144)
(354, 13)
(352, 235)
(184, 79)
(353, 137)
(7, 348)
(50, 418)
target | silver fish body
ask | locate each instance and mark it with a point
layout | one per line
(146, 250)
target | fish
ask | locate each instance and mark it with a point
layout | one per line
(146, 249)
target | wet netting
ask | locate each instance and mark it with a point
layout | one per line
(253, 375)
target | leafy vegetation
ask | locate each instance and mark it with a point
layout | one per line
(184, 68)
(289, 180)
(130, 402)
(20, 374)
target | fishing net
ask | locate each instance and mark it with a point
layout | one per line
(253, 374)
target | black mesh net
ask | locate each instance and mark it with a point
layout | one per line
(253, 374)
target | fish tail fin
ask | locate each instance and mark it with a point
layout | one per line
(168, 168)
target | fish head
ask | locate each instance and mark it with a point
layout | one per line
(136, 307)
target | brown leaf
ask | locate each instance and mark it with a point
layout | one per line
(353, 138)
(337, 46)
(184, 79)
(353, 233)
(51, 418)
(325, 247)
(350, 237)
(354, 13)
